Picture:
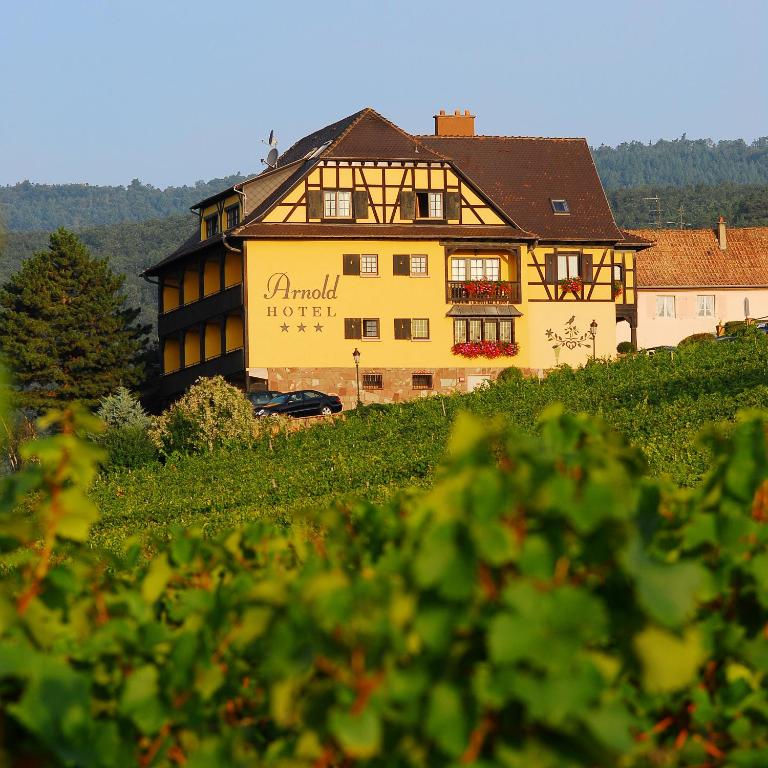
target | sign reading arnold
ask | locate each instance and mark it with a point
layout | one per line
(280, 289)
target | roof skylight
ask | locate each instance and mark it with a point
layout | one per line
(560, 206)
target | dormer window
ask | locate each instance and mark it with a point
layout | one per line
(233, 216)
(560, 206)
(337, 204)
(429, 205)
(211, 225)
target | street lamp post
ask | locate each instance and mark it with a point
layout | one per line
(356, 357)
(593, 334)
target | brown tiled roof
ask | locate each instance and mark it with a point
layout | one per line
(313, 141)
(372, 136)
(334, 231)
(629, 239)
(692, 258)
(523, 175)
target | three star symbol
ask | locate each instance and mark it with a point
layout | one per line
(301, 328)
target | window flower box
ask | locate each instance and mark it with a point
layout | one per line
(487, 289)
(486, 349)
(573, 285)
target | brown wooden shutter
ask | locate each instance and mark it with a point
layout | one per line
(314, 204)
(407, 204)
(351, 264)
(452, 205)
(353, 328)
(586, 268)
(401, 265)
(550, 268)
(360, 204)
(403, 328)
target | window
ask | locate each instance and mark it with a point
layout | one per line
(420, 328)
(705, 306)
(414, 266)
(618, 272)
(369, 264)
(475, 269)
(429, 205)
(665, 306)
(373, 381)
(312, 395)
(233, 216)
(212, 225)
(568, 265)
(560, 206)
(337, 204)
(371, 328)
(421, 381)
(479, 329)
(418, 265)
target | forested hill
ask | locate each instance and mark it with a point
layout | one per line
(679, 163)
(683, 162)
(46, 207)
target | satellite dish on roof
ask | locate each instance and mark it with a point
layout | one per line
(271, 160)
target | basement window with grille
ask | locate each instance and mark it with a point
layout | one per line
(421, 380)
(560, 206)
(373, 381)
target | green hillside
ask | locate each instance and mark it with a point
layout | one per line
(683, 162)
(26, 206)
(130, 248)
(659, 403)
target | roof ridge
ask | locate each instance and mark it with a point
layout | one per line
(397, 128)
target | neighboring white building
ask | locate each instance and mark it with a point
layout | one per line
(690, 280)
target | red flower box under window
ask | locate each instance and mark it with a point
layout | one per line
(487, 289)
(486, 349)
(572, 284)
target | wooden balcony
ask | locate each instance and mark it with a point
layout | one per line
(482, 292)
(228, 365)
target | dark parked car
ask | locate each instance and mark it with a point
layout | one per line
(262, 398)
(305, 402)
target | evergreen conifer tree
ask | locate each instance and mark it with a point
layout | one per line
(65, 330)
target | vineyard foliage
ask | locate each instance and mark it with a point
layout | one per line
(546, 604)
(659, 403)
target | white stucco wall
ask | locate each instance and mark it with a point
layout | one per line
(653, 331)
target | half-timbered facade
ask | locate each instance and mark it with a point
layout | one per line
(442, 259)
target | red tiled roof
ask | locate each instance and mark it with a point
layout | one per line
(523, 175)
(692, 258)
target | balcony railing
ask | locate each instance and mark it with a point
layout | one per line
(482, 292)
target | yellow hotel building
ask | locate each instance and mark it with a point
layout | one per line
(442, 259)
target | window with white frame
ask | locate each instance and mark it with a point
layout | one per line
(419, 328)
(475, 269)
(705, 306)
(371, 328)
(568, 265)
(418, 265)
(560, 206)
(337, 204)
(479, 329)
(665, 306)
(429, 205)
(618, 272)
(369, 264)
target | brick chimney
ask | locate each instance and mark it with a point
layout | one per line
(455, 124)
(721, 237)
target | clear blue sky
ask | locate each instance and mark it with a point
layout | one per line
(171, 91)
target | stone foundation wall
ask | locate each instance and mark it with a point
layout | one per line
(397, 383)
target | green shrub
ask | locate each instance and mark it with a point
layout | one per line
(212, 414)
(733, 325)
(123, 410)
(546, 604)
(129, 446)
(625, 347)
(510, 375)
(696, 338)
